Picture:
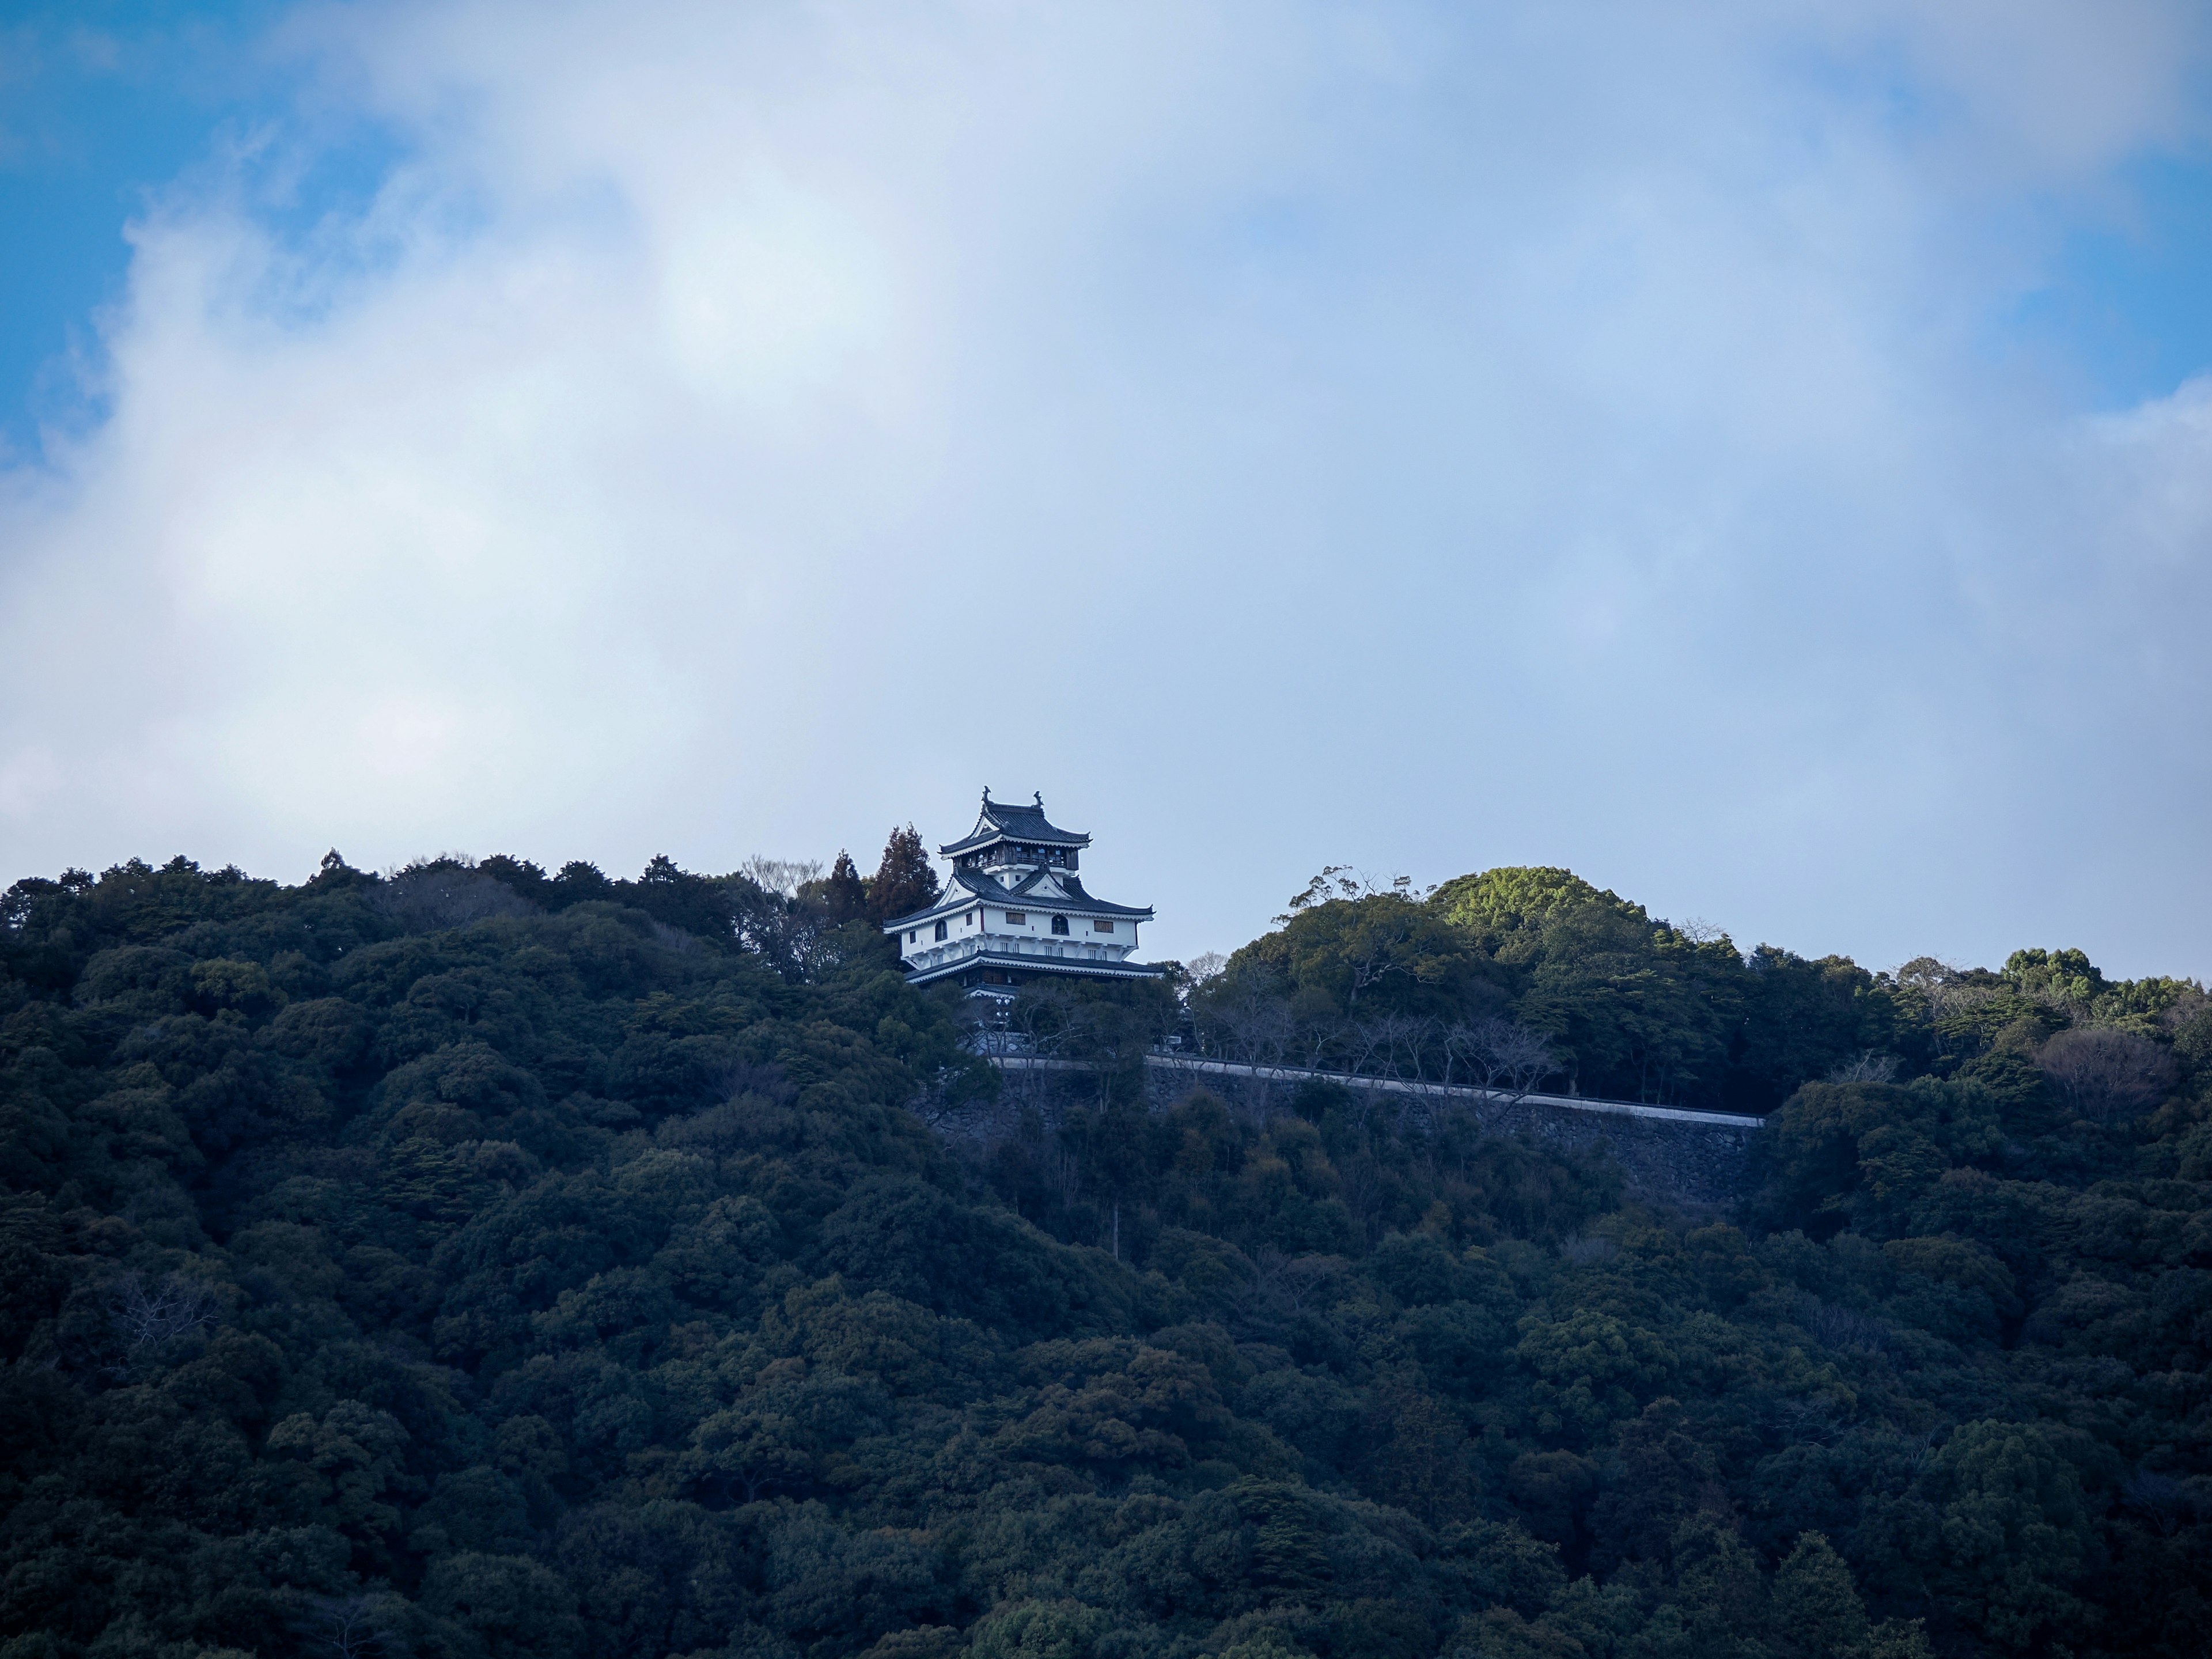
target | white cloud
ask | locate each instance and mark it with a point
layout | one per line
(1566, 435)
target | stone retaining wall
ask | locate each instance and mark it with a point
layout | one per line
(1670, 1154)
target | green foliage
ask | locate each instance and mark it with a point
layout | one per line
(1817, 1608)
(1514, 907)
(1386, 949)
(1620, 1005)
(478, 1262)
(2059, 975)
(2015, 1532)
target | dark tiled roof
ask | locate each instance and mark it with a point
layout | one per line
(967, 887)
(952, 903)
(1026, 895)
(999, 821)
(1074, 967)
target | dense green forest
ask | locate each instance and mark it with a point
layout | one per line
(476, 1263)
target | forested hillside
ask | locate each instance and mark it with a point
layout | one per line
(479, 1263)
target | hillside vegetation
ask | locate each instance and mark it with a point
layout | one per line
(480, 1263)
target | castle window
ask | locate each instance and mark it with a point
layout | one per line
(912, 934)
(1102, 926)
(1018, 918)
(1059, 924)
(940, 931)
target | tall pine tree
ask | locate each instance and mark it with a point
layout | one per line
(905, 881)
(844, 895)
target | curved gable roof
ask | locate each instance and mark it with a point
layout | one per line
(999, 820)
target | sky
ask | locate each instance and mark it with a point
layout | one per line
(1756, 456)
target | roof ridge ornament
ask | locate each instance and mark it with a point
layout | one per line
(1040, 799)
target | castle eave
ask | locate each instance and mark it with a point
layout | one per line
(1063, 967)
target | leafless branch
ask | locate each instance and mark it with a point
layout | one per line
(350, 1626)
(1869, 1067)
(148, 1316)
(2105, 1074)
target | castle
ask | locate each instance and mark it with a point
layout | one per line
(1014, 911)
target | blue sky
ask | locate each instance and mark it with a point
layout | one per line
(106, 107)
(1751, 456)
(101, 107)
(2124, 302)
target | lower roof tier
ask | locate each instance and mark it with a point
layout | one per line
(1040, 890)
(1055, 967)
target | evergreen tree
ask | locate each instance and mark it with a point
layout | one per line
(844, 894)
(904, 881)
(1817, 1609)
(469, 1263)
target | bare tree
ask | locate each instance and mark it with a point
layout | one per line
(1317, 1035)
(2168, 1504)
(781, 876)
(1050, 1020)
(1205, 966)
(2105, 1074)
(1411, 1039)
(1869, 1067)
(1391, 1043)
(1459, 1044)
(1510, 1058)
(2187, 1005)
(1253, 1026)
(1927, 974)
(148, 1316)
(350, 1627)
(430, 894)
(1290, 1283)
(1363, 1040)
(791, 929)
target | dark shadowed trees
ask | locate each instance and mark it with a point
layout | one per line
(643, 1267)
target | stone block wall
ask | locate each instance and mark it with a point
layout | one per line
(1673, 1157)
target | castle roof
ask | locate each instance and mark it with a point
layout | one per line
(999, 820)
(1046, 890)
(1059, 891)
(1085, 969)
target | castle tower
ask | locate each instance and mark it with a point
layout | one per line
(1015, 910)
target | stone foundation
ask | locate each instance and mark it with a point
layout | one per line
(1671, 1155)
